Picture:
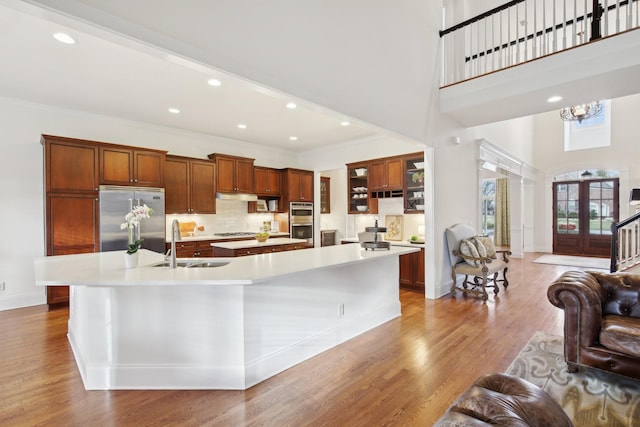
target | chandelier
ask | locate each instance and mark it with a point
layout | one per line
(581, 112)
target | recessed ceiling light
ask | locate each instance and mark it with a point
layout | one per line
(64, 38)
(293, 138)
(214, 82)
(242, 126)
(344, 123)
(174, 111)
(554, 98)
(291, 105)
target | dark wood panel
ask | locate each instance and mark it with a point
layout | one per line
(176, 185)
(149, 168)
(202, 187)
(70, 166)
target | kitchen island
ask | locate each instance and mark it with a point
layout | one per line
(225, 327)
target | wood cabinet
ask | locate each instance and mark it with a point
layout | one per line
(121, 165)
(267, 181)
(298, 185)
(71, 207)
(70, 166)
(386, 174)
(225, 252)
(189, 185)
(414, 184)
(325, 195)
(360, 201)
(412, 271)
(233, 174)
(193, 249)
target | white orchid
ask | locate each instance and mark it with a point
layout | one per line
(137, 214)
(131, 221)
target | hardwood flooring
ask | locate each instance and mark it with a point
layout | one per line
(403, 373)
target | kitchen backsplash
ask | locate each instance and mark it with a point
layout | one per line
(231, 215)
(391, 206)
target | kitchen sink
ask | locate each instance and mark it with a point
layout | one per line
(192, 264)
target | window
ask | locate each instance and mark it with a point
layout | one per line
(590, 133)
(488, 206)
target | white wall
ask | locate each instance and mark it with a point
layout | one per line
(21, 177)
(551, 159)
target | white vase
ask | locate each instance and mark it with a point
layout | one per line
(131, 260)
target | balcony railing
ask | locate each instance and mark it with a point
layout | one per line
(524, 30)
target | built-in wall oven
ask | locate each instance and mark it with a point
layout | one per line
(301, 221)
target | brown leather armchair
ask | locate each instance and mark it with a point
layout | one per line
(601, 320)
(505, 400)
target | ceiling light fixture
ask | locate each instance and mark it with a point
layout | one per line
(291, 105)
(64, 38)
(174, 111)
(554, 98)
(214, 82)
(293, 138)
(242, 126)
(344, 123)
(581, 112)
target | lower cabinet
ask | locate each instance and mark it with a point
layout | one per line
(194, 249)
(412, 271)
(224, 252)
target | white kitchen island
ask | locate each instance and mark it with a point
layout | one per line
(227, 327)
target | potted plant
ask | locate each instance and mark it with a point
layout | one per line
(418, 177)
(131, 221)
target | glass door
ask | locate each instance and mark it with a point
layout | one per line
(583, 212)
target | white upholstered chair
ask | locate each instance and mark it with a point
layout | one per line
(478, 261)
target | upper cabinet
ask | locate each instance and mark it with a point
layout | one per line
(298, 185)
(234, 174)
(386, 174)
(189, 185)
(325, 195)
(390, 177)
(358, 189)
(414, 184)
(70, 165)
(121, 165)
(267, 181)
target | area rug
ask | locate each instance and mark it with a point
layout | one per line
(574, 261)
(589, 397)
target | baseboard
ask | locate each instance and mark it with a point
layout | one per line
(12, 301)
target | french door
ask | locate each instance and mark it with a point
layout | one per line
(582, 215)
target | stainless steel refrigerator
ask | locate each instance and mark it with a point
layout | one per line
(116, 202)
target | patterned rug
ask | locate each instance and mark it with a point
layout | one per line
(590, 397)
(574, 261)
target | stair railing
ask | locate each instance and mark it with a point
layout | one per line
(523, 30)
(625, 244)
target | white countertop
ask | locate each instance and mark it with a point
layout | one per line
(201, 237)
(403, 243)
(107, 268)
(245, 244)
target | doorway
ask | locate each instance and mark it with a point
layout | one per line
(583, 211)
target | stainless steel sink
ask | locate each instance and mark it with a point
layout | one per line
(192, 264)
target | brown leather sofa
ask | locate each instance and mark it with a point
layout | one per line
(601, 320)
(505, 400)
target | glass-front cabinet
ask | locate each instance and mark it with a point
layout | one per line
(358, 188)
(414, 184)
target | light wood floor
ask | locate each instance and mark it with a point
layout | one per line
(404, 373)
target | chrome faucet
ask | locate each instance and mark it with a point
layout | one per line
(175, 230)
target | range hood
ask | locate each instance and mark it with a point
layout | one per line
(244, 197)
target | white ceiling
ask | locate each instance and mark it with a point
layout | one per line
(109, 75)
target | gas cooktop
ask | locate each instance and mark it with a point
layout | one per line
(235, 233)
